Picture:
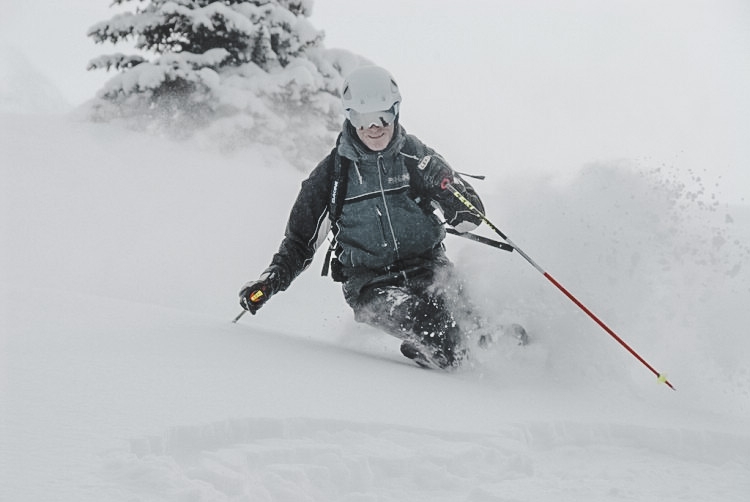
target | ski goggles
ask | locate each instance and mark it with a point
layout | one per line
(366, 120)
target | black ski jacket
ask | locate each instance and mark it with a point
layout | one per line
(387, 217)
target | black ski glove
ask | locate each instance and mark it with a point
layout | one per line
(254, 294)
(437, 175)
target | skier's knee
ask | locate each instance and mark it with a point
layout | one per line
(390, 309)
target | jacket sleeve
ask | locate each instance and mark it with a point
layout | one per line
(306, 228)
(456, 213)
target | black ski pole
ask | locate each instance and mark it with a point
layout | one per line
(239, 316)
(480, 239)
(661, 378)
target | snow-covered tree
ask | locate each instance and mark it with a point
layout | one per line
(227, 71)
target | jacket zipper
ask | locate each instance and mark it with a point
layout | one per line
(379, 216)
(381, 170)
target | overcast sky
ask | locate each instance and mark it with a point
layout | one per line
(662, 79)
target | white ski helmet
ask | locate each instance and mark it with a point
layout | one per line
(367, 93)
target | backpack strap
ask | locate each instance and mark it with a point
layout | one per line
(340, 169)
(413, 153)
(416, 161)
(338, 186)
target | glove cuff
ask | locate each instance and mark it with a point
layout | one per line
(272, 279)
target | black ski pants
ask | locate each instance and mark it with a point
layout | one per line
(414, 304)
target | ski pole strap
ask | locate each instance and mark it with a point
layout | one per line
(480, 239)
(475, 176)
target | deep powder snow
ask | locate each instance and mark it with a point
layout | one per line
(123, 378)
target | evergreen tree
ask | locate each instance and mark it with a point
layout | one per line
(235, 71)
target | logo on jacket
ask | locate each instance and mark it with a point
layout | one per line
(423, 163)
(393, 180)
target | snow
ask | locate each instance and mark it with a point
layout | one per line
(150, 75)
(122, 377)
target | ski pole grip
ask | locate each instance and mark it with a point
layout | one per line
(256, 296)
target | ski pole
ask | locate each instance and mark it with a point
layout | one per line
(661, 378)
(255, 297)
(239, 316)
(480, 239)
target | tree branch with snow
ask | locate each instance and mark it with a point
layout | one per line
(231, 72)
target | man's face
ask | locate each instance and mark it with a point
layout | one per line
(376, 138)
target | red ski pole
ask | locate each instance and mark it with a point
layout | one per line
(661, 378)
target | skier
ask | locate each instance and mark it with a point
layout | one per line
(377, 191)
